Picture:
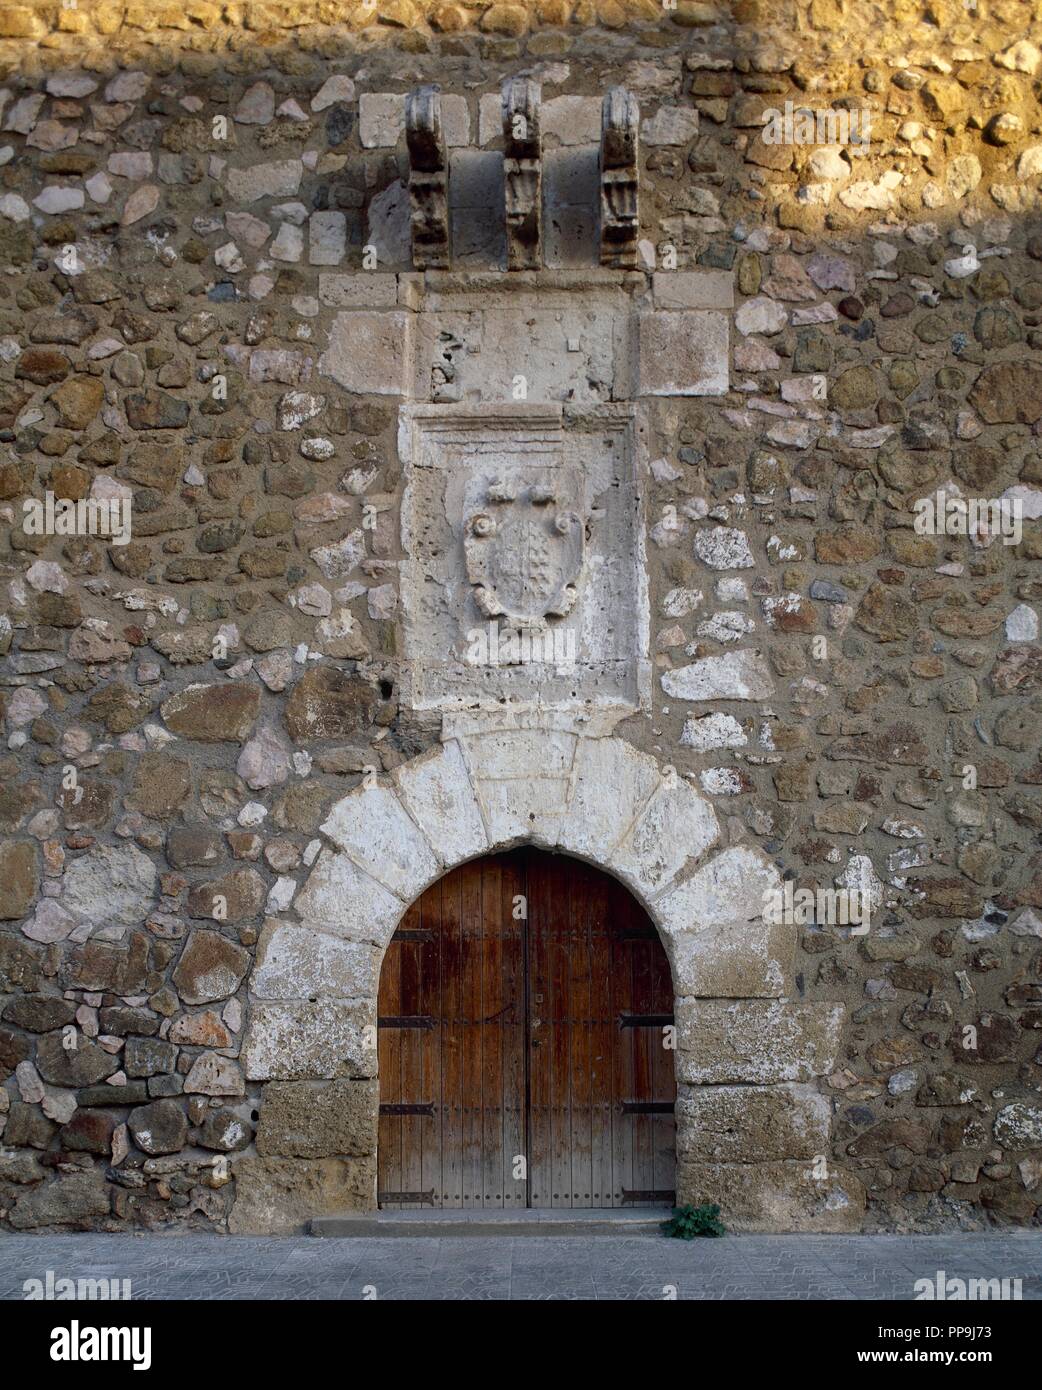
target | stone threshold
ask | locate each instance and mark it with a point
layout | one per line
(563, 1222)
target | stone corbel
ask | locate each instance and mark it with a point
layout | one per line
(522, 169)
(428, 179)
(620, 209)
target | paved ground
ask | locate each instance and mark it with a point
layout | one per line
(521, 1267)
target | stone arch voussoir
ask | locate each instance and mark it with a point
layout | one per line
(751, 1121)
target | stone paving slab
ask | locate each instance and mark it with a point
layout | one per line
(525, 1268)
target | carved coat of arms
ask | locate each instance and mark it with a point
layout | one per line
(525, 543)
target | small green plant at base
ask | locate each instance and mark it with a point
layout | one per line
(688, 1222)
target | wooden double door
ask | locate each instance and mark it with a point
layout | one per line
(525, 1020)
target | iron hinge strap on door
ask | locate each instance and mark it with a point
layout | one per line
(422, 1198)
(645, 1020)
(400, 1108)
(405, 1021)
(652, 1194)
(648, 1107)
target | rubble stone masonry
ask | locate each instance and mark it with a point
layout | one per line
(240, 733)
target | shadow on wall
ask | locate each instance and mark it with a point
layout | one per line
(883, 353)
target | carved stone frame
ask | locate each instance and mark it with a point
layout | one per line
(445, 437)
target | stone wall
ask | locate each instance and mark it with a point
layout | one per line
(219, 320)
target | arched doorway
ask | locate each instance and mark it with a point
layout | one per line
(525, 1011)
(748, 1116)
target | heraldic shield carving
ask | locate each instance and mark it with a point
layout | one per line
(527, 520)
(525, 543)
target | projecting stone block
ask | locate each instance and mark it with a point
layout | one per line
(437, 791)
(522, 171)
(279, 1196)
(293, 961)
(378, 833)
(684, 352)
(370, 353)
(751, 1124)
(618, 161)
(774, 1196)
(318, 1119)
(299, 1040)
(342, 898)
(676, 825)
(756, 1043)
(428, 178)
